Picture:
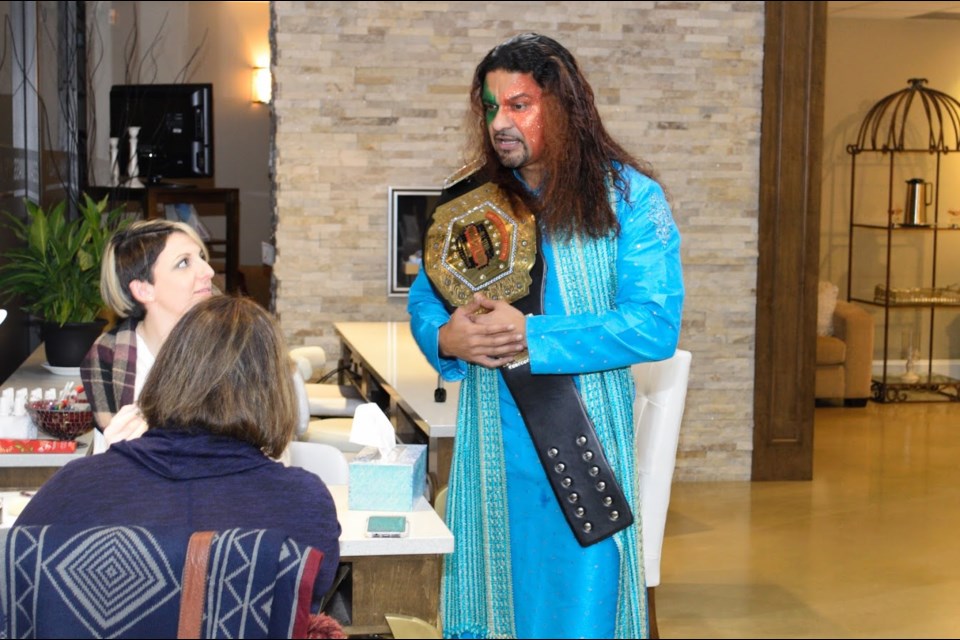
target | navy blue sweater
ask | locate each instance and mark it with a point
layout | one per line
(198, 481)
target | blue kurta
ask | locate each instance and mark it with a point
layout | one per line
(560, 588)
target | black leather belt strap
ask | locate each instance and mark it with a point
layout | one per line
(566, 442)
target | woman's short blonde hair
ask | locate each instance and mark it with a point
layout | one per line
(226, 369)
(131, 255)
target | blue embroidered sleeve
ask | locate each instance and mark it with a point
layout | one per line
(644, 324)
(427, 315)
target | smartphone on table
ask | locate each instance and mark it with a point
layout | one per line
(387, 527)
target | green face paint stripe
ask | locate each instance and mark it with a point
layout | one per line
(490, 102)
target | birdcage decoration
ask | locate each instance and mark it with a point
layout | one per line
(896, 124)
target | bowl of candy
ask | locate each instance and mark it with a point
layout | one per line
(62, 421)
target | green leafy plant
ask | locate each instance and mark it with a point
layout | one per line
(57, 272)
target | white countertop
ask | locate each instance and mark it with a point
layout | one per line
(428, 534)
(32, 374)
(392, 355)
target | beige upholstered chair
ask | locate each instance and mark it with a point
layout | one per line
(845, 357)
(402, 627)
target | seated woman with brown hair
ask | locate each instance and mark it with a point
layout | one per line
(220, 403)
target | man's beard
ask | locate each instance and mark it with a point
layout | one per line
(513, 159)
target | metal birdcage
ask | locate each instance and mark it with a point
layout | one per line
(885, 127)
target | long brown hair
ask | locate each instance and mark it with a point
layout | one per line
(225, 368)
(579, 153)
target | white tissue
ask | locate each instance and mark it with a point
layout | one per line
(372, 428)
(6, 402)
(20, 403)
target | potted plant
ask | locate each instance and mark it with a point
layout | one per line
(56, 273)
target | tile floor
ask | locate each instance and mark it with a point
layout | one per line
(870, 548)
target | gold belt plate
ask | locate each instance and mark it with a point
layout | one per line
(481, 242)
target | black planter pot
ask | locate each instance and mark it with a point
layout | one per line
(67, 345)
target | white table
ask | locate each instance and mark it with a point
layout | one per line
(19, 470)
(394, 373)
(428, 534)
(392, 575)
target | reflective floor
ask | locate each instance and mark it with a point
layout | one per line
(870, 548)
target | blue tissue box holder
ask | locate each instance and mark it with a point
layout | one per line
(392, 484)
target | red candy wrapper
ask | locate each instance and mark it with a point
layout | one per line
(37, 445)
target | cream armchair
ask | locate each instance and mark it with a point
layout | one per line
(845, 358)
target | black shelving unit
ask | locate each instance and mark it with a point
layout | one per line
(882, 141)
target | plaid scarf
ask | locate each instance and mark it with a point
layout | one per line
(109, 371)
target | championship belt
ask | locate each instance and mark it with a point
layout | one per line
(481, 241)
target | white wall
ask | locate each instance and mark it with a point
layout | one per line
(228, 38)
(868, 60)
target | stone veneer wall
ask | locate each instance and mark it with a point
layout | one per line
(370, 95)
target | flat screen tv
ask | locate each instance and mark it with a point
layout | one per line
(176, 129)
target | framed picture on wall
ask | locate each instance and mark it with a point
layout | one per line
(408, 211)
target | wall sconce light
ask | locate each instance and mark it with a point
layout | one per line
(262, 85)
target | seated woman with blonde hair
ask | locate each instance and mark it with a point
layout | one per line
(220, 403)
(152, 272)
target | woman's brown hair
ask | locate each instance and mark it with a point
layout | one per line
(225, 368)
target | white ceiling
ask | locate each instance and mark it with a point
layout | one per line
(895, 10)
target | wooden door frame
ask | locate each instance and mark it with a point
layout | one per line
(791, 145)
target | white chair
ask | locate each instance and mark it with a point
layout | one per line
(326, 400)
(331, 405)
(326, 461)
(658, 412)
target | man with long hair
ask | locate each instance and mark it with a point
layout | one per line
(551, 265)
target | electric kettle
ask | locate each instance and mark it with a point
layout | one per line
(919, 197)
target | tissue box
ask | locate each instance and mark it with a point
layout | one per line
(391, 484)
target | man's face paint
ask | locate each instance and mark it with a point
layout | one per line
(514, 115)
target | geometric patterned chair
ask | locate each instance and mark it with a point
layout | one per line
(128, 582)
